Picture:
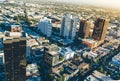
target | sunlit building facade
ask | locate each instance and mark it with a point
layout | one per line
(15, 57)
(68, 27)
(100, 29)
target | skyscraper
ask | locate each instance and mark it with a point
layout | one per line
(68, 27)
(45, 26)
(100, 29)
(84, 28)
(15, 54)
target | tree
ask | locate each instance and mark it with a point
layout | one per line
(18, 22)
(52, 76)
(54, 79)
(101, 69)
(0, 11)
(62, 78)
(39, 67)
(61, 58)
(61, 70)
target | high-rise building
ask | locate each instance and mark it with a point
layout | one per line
(100, 29)
(84, 28)
(15, 56)
(68, 27)
(45, 26)
(51, 56)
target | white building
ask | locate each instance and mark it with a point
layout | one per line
(68, 27)
(45, 26)
(67, 53)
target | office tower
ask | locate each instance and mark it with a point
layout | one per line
(45, 26)
(68, 27)
(84, 28)
(100, 29)
(51, 55)
(15, 56)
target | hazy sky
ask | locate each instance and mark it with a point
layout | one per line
(101, 3)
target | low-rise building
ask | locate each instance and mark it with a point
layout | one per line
(32, 70)
(67, 53)
(32, 42)
(116, 61)
(16, 28)
(67, 70)
(71, 70)
(97, 76)
(91, 43)
(101, 51)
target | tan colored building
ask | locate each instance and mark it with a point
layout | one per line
(92, 43)
(100, 29)
(84, 28)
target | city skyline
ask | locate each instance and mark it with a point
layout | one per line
(44, 40)
(97, 3)
(114, 4)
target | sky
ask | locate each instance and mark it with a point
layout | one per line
(98, 3)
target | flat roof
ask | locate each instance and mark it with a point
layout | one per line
(90, 40)
(15, 26)
(52, 53)
(96, 76)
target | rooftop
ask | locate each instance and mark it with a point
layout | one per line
(82, 65)
(66, 50)
(116, 60)
(31, 69)
(53, 47)
(90, 40)
(53, 53)
(101, 51)
(15, 26)
(97, 76)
